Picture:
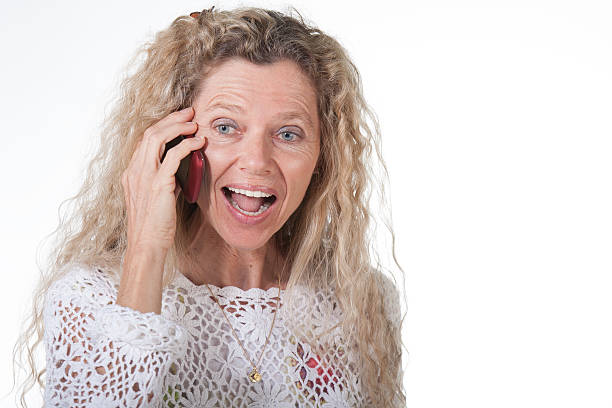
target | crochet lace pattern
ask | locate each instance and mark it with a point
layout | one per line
(100, 354)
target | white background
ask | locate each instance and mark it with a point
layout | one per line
(497, 132)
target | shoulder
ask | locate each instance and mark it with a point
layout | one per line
(323, 304)
(83, 284)
(71, 300)
(391, 295)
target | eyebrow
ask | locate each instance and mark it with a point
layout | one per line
(288, 115)
(227, 106)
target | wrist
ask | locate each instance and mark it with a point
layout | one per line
(145, 253)
(141, 279)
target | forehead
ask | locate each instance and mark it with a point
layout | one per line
(239, 84)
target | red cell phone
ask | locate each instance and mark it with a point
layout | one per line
(190, 172)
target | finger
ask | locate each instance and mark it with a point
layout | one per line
(141, 164)
(171, 162)
(155, 140)
(176, 129)
(174, 117)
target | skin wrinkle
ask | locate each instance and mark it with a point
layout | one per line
(258, 102)
(292, 95)
(299, 114)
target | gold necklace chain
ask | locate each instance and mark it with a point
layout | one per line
(254, 376)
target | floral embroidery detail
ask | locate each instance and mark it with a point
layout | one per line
(256, 320)
(269, 394)
(228, 362)
(335, 396)
(188, 357)
(312, 373)
(198, 397)
(183, 315)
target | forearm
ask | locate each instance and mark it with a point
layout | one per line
(141, 279)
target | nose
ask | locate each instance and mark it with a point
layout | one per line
(256, 154)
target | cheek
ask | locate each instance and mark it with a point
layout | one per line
(298, 174)
(217, 159)
(301, 160)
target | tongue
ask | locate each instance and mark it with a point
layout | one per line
(247, 203)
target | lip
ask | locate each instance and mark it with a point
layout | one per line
(250, 219)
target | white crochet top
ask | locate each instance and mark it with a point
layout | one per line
(100, 354)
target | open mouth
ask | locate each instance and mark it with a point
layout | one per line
(250, 203)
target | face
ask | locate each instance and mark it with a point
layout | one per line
(263, 141)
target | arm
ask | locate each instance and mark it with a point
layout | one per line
(103, 354)
(141, 280)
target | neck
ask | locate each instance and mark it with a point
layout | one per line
(219, 264)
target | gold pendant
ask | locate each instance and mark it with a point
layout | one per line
(254, 376)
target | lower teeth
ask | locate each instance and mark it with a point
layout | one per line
(263, 208)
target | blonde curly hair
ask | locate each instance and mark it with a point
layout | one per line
(328, 240)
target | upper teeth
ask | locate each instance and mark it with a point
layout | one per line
(249, 192)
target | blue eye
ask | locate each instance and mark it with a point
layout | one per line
(223, 126)
(292, 136)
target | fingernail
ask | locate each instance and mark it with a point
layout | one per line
(186, 110)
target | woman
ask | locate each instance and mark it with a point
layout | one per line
(259, 293)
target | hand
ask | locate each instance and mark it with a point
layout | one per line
(150, 186)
